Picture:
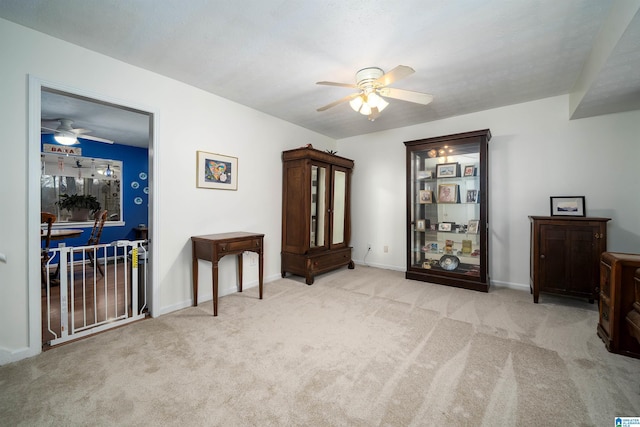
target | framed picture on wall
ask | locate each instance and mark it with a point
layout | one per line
(216, 171)
(567, 206)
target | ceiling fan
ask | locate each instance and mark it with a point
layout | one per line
(372, 83)
(67, 135)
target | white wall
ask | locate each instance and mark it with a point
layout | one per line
(188, 119)
(535, 153)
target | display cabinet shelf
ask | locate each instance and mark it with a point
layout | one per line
(447, 196)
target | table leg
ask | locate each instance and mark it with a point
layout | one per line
(214, 274)
(260, 271)
(194, 269)
(240, 269)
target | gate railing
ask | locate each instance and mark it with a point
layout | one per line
(93, 288)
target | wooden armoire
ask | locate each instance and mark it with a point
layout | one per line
(316, 223)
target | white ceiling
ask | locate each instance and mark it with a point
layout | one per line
(471, 55)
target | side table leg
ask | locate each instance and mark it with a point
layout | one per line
(214, 275)
(195, 273)
(240, 269)
(260, 271)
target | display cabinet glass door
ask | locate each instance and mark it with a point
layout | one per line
(339, 204)
(318, 220)
(445, 208)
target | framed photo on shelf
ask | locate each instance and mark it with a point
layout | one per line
(472, 196)
(469, 170)
(216, 171)
(426, 196)
(420, 225)
(444, 226)
(567, 206)
(448, 193)
(472, 228)
(447, 170)
(426, 174)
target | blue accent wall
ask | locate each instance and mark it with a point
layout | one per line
(134, 181)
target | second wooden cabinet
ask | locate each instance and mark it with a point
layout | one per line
(316, 224)
(565, 255)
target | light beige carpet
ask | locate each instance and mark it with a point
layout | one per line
(361, 347)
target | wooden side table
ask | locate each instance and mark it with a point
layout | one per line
(213, 247)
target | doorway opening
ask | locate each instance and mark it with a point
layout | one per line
(108, 132)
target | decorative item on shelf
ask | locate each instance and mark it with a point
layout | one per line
(426, 196)
(469, 170)
(448, 246)
(472, 196)
(567, 206)
(426, 174)
(449, 262)
(448, 193)
(433, 227)
(472, 228)
(448, 170)
(420, 225)
(466, 247)
(444, 226)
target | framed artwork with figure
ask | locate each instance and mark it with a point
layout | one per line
(216, 171)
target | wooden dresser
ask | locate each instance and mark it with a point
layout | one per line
(565, 254)
(619, 302)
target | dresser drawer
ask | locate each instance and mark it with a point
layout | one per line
(244, 245)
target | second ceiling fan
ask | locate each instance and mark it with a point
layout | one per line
(373, 83)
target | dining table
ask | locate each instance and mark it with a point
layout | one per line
(62, 233)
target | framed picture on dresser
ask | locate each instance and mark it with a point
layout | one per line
(567, 206)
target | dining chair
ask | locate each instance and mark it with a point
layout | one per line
(94, 238)
(49, 219)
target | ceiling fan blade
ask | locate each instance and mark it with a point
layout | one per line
(400, 72)
(95, 138)
(339, 101)
(406, 95)
(48, 130)
(337, 84)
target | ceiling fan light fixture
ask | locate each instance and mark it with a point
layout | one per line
(356, 103)
(366, 109)
(376, 101)
(65, 138)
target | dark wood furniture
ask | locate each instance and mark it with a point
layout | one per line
(142, 233)
(633, 317)
(316, 223)
(617, 300)
(213, 247)
(447, 210)
(45, 235)
(565, 255)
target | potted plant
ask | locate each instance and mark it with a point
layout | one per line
(79, 205)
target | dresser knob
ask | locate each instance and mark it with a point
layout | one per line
(542, 256)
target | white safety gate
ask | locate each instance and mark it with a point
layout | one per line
(90, 289)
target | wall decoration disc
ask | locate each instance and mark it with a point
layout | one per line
(143, 176)
(146, 190)
(135, 185)
(137, 200)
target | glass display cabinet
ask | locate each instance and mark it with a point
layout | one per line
(447, 197)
